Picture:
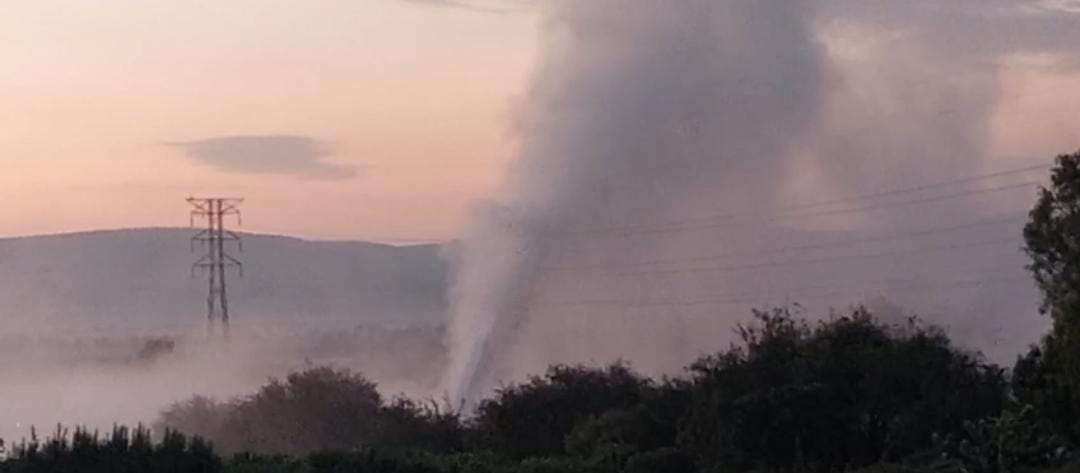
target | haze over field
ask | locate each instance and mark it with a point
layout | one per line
(92, 319)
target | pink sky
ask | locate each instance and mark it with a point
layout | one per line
(416, 100)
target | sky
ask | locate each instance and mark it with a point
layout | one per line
(370, 119)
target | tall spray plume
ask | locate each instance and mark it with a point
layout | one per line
(642, 116)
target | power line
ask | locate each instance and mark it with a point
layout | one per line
(775, 264)
(921, 277)
(764, 299)
(855, 198)
(924, 187)
(796, 212)
(814, 246)
(902, 203)
(863, 197)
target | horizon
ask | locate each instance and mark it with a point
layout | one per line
(252, 232)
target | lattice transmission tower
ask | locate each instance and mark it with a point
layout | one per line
(216, 261)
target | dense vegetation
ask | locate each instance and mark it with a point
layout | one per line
(123, 451)
(845, 393)
(850, 393)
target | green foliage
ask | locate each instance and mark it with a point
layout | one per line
(1049, 376)
(407, 423)
(123, 451)
(665, 460)
(199, 415)
(1040, 380)
(534, 419)
(1010, 442)
(848, 392)
(611, 439)
(249, 463)
(1052, 238)
(318, 409)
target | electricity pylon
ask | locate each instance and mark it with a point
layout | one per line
(216, 260)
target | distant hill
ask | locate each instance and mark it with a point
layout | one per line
(142, 278)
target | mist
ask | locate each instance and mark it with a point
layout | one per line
(110, 327)
(663, 148)
(97, 380)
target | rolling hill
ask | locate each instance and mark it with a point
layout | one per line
(142, 278)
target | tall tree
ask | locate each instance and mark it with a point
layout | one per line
(1049, 377)
(1052, 237)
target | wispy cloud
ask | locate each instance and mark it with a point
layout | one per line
(296, 155)
(1072, 6)
(490, 6)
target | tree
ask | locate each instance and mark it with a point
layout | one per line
(315, 409)
(849, 391)
(200, 415)
(534, 419)
(1049, 376)
(1052, 240)
(1014, 441)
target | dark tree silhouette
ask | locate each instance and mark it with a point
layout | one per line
(1048, 377)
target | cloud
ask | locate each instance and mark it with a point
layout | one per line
(1066, 5)
(295, 155)
(490, 6)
